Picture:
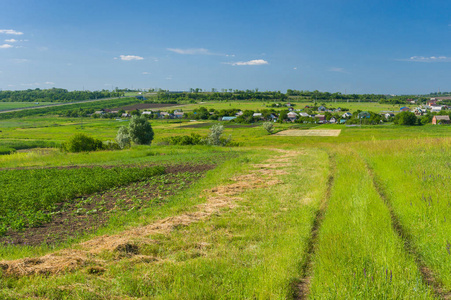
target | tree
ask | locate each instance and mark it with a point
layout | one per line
(405, 118)
(140, 130)
(214, 137)
(123, 137)
(268, 126)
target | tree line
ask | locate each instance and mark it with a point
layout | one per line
(55, 95)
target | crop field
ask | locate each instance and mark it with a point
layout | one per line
(329, 212)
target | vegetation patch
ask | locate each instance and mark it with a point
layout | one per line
(315, 132)
(89, 212)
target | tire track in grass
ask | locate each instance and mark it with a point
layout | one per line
(426, 273)
(302, 289)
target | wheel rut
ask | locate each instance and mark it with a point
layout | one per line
(427, 274)
(301, 289)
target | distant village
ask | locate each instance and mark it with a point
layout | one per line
(432, 112)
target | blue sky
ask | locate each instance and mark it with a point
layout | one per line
(396, 47)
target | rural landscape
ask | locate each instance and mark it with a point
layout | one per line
(225, 150)
(238, 197)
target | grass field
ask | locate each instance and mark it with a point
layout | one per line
(361, 215)
(14, 105)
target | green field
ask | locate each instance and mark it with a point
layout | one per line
(361, 215)
(14, 105)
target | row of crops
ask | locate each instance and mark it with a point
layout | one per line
(30, 196)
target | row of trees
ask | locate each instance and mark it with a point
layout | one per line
(54, 95)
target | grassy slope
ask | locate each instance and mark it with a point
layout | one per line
(253, 250)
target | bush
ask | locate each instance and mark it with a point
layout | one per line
(81, 142)
(215, 136)
(193, 139)
(268, 126)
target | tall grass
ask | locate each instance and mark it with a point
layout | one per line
(416, 178)
(359, 256)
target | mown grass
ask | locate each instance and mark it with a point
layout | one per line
(359, 255)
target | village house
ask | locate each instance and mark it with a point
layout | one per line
(347, 115)
(228, 118)
(292, 116)
(389, 115)
(333, 120)
(321, 118)
(178, 114)
(404, 108)
(436, 109)
(440, 120)
(364, 115)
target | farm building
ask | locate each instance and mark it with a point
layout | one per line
(146, 113)
(440, 120)
(304, 115)
(347, 115)
(404, 108)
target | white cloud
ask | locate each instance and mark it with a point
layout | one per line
(339, 70)
(130, 57)
(10, 31)
(145, 73)
(11, 41)
(191, 51)
(5, 46)
(20, 60)
(49, 82)
(295, 68)
(254, 62)
(428, 59)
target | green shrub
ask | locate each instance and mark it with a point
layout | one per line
(81, 142)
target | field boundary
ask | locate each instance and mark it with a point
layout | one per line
(302, 287)
(427, 274)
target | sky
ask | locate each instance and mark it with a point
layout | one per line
(347, 46)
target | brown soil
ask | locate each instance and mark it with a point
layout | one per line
(127, 244)
(145, 106)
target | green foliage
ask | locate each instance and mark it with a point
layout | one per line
(6, 150)
(80, 142)
(140, 130)
(54, 95)
(193, 139)
(269, 127)
(29, 196)
(214, 137)
(123, 137)
(405, 118)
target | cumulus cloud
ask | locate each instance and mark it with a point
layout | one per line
(254, 62)
(429, 59)
(10, 31)
(191, 51)
(6, 46)
(11, 41)
(130, 57)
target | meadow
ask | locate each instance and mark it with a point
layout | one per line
(14, 105)
(361, 215)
